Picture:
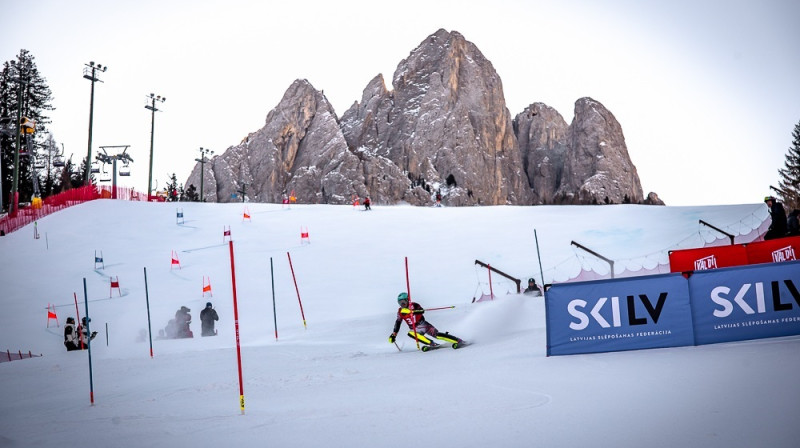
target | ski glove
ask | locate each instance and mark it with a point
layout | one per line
(391, 337)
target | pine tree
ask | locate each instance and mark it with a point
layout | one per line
(789, 185)
(22, 87)
(172, 188)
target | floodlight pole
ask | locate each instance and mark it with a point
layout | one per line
(203, 160)
(152, 108)
(90, 73)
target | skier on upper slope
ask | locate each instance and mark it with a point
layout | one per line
(412, 314)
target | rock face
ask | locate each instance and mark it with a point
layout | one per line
(586, 162)
(443, 127)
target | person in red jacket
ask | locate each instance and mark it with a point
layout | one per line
(412, 314)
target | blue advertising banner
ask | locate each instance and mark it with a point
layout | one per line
(623, 314)
(746, 302)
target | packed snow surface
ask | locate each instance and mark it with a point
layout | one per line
(338, 382)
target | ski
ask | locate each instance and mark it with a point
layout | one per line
(455, 345)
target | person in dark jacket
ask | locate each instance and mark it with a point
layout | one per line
(793, 223)
(207, 318)
(71, 340)
(778, 227)
(533, 288)
(411, 313)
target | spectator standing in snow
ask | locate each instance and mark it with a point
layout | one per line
(411, 313)
(778, 227)
(367, 203)
(532, 288)
(207, 318)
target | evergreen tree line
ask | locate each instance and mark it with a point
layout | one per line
(24, 93)
(176, 192)
(789, 184)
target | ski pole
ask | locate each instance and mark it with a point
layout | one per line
(398, 347)
(440, 308)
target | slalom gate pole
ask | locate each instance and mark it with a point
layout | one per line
(78, 319)
(539, 255)
(413, 319)
(302, 314)
(274, 312)
(88, 341)
(147, 300)
(236, 323)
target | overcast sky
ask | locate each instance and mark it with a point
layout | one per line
(706, 92)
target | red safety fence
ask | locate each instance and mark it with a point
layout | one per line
(9, 356)
(770, 251)
(51, 204)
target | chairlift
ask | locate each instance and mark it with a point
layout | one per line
(39, 165)
(106, 176)
(58, 161)
(125, 170)
(95, 167)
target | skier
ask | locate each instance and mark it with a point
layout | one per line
(411, 313)
(367, 203)
(71, 335)
(778, 227)
(207, 318)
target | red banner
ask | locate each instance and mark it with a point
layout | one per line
(707, 258)
(774, 251)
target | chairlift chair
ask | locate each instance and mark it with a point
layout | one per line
(58, 161)
(95, 167)
(106, 176)
(125, 170)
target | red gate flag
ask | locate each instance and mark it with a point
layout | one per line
(114, 284)
(207, 286)
(51, 314)
(175, 260)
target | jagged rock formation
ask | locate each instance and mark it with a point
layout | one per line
(443, 127)
(583, 163)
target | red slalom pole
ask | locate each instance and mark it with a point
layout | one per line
(78, 319)
(236, 324)
(302, 314)
(414, 319)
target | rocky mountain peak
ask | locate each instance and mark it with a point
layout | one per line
(442, 128)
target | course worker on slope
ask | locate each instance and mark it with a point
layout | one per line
(71, 340)
(207, 318)
(412, 314)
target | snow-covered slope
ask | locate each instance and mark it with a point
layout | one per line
(340, 382)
